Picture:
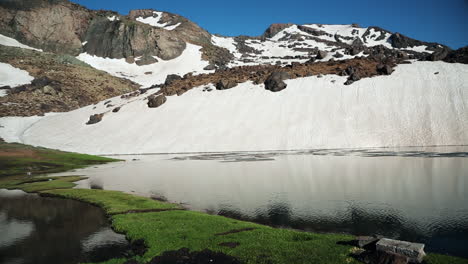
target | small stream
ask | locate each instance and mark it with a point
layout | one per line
(36, 230)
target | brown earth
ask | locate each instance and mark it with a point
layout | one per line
(365, 67)
(62, 84)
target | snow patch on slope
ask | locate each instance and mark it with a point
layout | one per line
(11, 76)
(155, 21)
(189, 61)
(7, 41)
(413, 106)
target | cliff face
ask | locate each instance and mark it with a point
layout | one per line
(60, 26)
(51, 25)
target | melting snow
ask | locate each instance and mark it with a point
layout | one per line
(11, 76)
(189, 61)
(6, 41)
(155, 21)
(410, 107)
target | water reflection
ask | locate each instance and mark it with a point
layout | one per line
(412, 194)
(50, 230)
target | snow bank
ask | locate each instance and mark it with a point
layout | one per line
(412, 107)
(6, 41)
(189, 61)
(11, 76)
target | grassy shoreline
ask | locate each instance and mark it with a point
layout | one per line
(166, 227)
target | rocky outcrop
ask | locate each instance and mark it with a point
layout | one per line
(274, 29)
(57, 26)
(62, 83)
(171, 78)
(275, 82)
(458, 56)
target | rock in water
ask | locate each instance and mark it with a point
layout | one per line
(275, 82)
(414, 251)
(156, 101)
(95, 119)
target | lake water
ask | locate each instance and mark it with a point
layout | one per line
(414, 194)
(40, 230)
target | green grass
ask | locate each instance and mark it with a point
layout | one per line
(172, 230)
(113, 202)
(41, 160)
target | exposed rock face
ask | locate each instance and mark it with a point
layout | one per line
(275, 82)
(56, 26)
(274, 29)
(94, 119)
(459, 56)
(156, 101)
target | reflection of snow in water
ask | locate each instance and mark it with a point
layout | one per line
(13, 230)
(105, 236)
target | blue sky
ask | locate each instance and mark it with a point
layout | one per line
(439, 21)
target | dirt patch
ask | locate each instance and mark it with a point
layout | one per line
(19, 153)
(184, 256)
(235, 231)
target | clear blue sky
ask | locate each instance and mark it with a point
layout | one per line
(439, 21)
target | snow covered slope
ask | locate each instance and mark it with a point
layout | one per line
(413, 106)
(12, 77)
(7, 41)
(147, 75)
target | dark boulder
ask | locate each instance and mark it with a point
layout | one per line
(400, 41)
(338, 55)
(146, 60)
(275, 82)
(115, 110)
(171, 78)
(384, 69)
(353, 78)
(95, 119)
(156, 101)
(321, 55)
(225, 84)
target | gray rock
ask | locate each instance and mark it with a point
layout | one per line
(95, 119)
(146, 60)
(364, 241)
(171, 78)
(225, 84)
(321, 54)
(117, 109)
(275, 82)
(156, 101)
(414, 251)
